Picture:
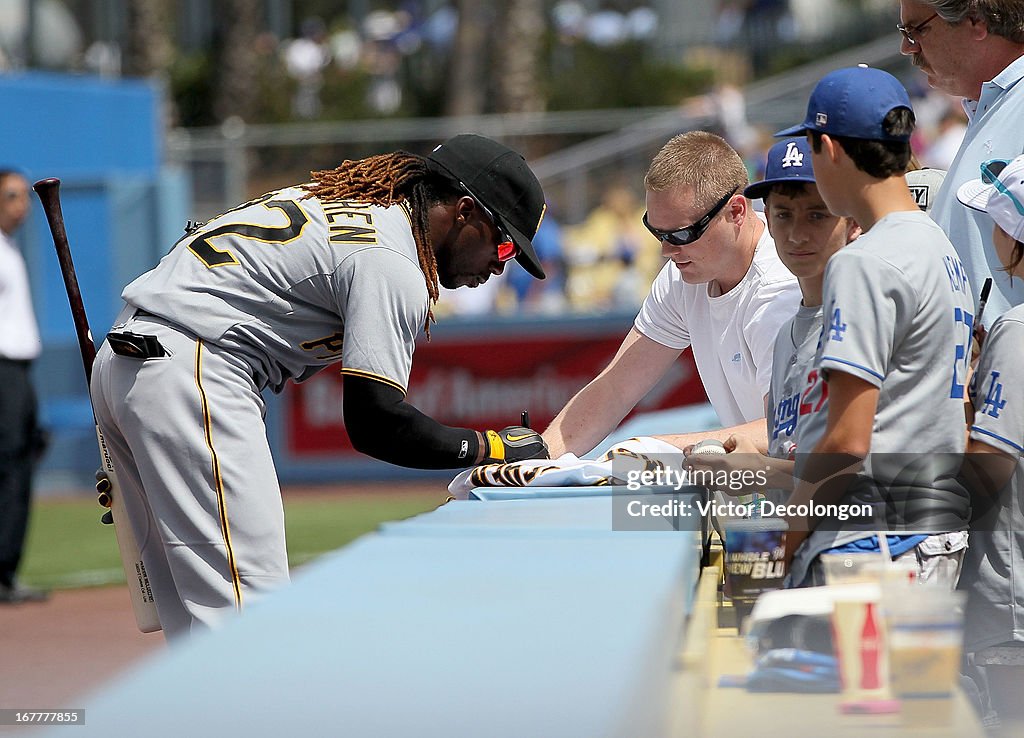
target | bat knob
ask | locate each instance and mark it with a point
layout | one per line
(46, 184)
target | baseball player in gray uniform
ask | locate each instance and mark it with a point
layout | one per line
(993, 573)
(339, 271)
(891, 363)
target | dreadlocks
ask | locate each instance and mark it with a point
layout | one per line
(387, 179)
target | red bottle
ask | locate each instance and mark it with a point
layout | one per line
(870, 651)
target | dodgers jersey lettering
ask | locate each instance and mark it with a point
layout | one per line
(795, 350)
(997, 397)
(283, 279)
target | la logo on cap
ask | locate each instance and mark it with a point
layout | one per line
(821, 119)
(794, 157)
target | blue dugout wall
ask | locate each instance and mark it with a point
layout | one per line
(122, 210)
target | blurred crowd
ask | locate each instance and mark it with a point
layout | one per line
(608, 261)
(604, 263)
(380, 43)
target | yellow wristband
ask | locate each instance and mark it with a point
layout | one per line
(496, 449)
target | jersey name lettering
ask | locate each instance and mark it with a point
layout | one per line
(340, 225)
(957, 276)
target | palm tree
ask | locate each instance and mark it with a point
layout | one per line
(467, 93)
(148, 50)
(236, 84)
(518, 53)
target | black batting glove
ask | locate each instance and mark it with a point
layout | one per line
(514, 443)
(103, 496)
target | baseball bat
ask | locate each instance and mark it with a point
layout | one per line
(143, 604)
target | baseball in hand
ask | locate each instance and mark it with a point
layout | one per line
(708, 446)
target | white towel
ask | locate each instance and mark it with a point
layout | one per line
(633, 455)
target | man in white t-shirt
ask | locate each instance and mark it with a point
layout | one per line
(723, 292)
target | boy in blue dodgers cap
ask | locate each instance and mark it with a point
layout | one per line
(993, 573)
(806, 236)
(891, 363)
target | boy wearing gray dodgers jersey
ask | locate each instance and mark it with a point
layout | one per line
(993, 574)
(342, 270)
(892, 359)
(797, 344)
(806, 236)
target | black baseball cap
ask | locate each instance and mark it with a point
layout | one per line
(501, 180)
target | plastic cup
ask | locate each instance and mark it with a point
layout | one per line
(860, 642)
(852, 568)
(925, 629)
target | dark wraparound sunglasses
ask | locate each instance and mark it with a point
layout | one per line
(689, 234)
(507, 249)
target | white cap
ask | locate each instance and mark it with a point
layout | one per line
(1003, 202)
(924, 184)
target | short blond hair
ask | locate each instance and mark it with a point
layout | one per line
(701, 160)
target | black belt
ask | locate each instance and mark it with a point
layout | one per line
(22, 363)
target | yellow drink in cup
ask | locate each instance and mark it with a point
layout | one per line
(925, 628)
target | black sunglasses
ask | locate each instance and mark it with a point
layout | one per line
(507, 249)
(689, 234)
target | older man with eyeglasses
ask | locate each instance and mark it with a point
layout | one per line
(724, 293)
(973, 49)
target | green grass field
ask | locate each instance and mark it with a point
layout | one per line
(68, 547)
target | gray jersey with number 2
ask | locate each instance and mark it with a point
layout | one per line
(275, 289)
(293, 284)
(898, 314)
